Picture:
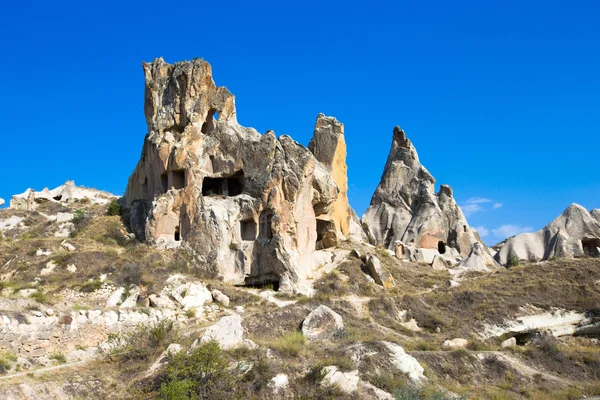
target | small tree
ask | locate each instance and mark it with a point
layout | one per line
(513, 260)
(114, 208)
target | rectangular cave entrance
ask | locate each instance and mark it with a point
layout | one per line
(326, 234)
(178, 178)
(248, 230)
(227, 186)
(591, 247)
(164, 182)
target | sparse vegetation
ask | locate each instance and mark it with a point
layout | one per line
(114, 208)
(291, 343)
(58, 357)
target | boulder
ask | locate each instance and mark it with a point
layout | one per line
(220, 298)
(457, 343)
(574, 233)
(405, 208)
(439, 264)
(368, 391)
(479, 259)
(405, 363)
(381, 275)
(228, 332)
(279, 383)
(347, 382)
(510, 342)
(67, 246)
(131, 300)
(115, 297)
(322, 323)
(247, 203)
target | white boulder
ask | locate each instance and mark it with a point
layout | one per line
(347, 382)
(228, 332)
(322, 323)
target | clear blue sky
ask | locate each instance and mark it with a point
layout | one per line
(501, 99)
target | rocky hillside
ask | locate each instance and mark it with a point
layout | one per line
(234, 268)
(98, 314)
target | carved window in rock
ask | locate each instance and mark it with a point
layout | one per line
(177, 233)
(591, 247)
(227, 186)
(178, 179)
(266, 225)
(441, 247)
(248, 230)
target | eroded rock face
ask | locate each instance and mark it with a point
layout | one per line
(575, 233)
(405, 208)
(244, 203)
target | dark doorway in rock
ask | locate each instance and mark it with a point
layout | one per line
(211, 122)
(389, 236)
(441, 247)
(464, 228)
(266, 225)
(326, 234)
(177, 234)
(591, 247)
(228, 186)
(178, 178)
(248, 230)
(269, 282)
(235, 184)
(164, 181)
(58, 198)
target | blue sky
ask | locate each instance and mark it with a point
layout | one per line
(501, 99)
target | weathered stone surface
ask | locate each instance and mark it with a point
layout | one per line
(575, 233)
(279, 383)
(405, 208)
(510, 342)
(244, 203)
(368, 391)
(478, 260)
(439, 264)
(378, 272)
(347, 382)
(228, 332)
(1, 202)
(322, 323)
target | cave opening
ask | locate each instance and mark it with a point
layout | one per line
(441, 247)
(178, 178)
(591, 247)
(228, 186)
(210, 124)
(164, 182)
(177, 234)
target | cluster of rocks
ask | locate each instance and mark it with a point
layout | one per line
(574, 233)
(66, 193)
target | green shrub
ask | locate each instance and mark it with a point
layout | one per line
(58, 357)
(145, 342)
(91, 286)
(291, 343)
(513, 260)
(201, 374)
(114, 208)
(40, 297)
(80, 221)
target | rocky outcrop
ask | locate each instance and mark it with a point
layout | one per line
(1, 202)
(67, 193)
(405, 208)
(575, 233)
(245, 204)
(228, 332)
(329, 147)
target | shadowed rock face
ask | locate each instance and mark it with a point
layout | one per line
(574, 233)
(245, 203)
(405, 208)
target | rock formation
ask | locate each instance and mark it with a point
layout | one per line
(405, 208)
(66, 193)
(252, 207)
(575, 233)
(1, 202)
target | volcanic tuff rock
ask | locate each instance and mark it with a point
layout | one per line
(405, 208)
(246, 204)
(574, 233)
